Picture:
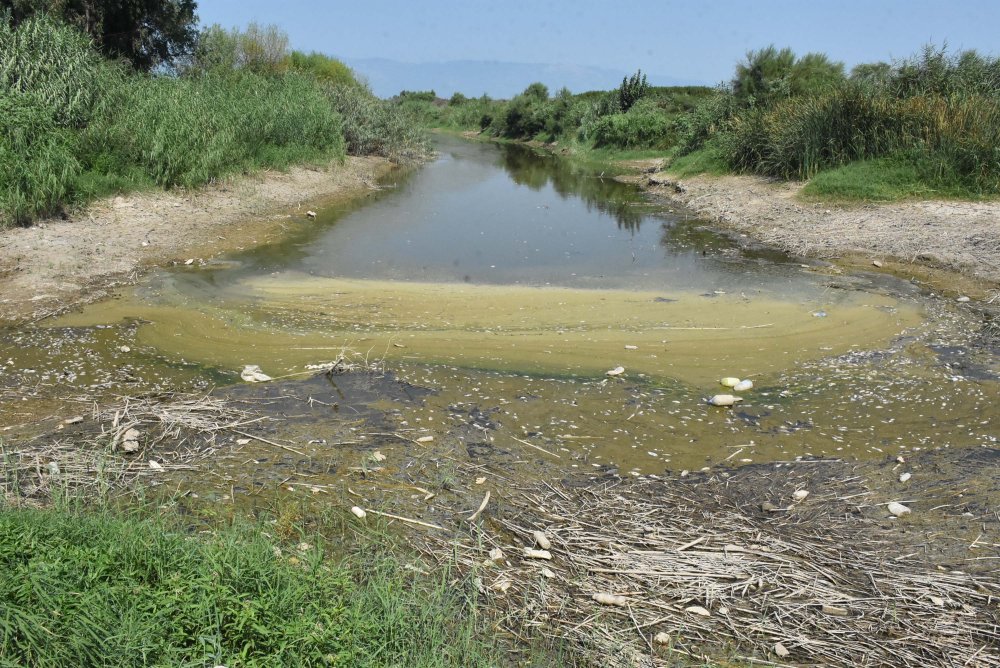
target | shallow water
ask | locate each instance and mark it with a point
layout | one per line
(508, 283)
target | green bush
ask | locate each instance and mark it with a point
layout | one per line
(374, 127)
(643, 126)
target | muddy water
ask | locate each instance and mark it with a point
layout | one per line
(507, 283)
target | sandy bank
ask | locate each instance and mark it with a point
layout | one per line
(63, 262)
(919, 236)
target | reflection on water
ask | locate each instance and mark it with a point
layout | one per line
(569, 179)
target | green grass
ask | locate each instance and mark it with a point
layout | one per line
(706, 160)
(883, 180)
(102, 588)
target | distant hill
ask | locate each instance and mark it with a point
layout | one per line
(497, 79)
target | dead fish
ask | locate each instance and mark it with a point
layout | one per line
(252, 374)
(724, 400)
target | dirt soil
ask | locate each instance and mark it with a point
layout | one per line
(921, 237)
(61, 263)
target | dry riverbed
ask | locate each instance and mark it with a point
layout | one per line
(952, 243)
(61, 263)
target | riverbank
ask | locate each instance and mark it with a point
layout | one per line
(918, 238)
(61, 263)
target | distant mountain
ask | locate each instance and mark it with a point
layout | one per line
(497, 79)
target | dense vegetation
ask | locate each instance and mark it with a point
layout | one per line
(106, 589)
(928, 125)
(79, 125)
(146, 33)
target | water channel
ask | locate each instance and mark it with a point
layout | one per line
(504, 283)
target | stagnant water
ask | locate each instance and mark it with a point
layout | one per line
(508, 283)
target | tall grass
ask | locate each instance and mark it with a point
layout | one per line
(104, 589)
(77, 126)
(190, 131)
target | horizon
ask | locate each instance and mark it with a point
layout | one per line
(667, 40)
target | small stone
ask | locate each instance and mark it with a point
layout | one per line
(378, 456)
(125, 349)
(425, 439)
(496, 554)
(359, 512)
(610, 599)
(876, 263)
(903, 477)
(541, 540)
(617, 371)
(53, 468)
(698, 610)
(537, 554)
(898, 509)
(189, 262)
(663, 638)
(963, 299)
(780, 650)
(311, 214)
(937, 600)
(155, 465)
(800, 495)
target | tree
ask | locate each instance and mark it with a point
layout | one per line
(632, 90)
(770, 74)
(147, 33)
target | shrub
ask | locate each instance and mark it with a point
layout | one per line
(644, 126)
(259, 49)
(374, 127)
(326, 69)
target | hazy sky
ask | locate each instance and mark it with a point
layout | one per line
(699, 40)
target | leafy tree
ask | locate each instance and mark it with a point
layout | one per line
(632, 90)
(771, 74)
(147, 33)
(258, 49)
(763, 75)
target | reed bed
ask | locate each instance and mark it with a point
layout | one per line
(687, 569)
(170, 433)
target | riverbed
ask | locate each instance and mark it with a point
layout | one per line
(507, 283)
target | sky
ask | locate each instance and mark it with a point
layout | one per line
(694, 40)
